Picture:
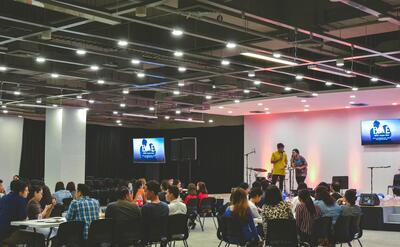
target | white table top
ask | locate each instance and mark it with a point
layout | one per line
(44, 223)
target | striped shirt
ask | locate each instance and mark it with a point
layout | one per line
(304, 220)
(84, 209)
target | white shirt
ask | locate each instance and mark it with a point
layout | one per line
(177, 207)
(255, 212)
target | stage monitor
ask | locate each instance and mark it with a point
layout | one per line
(148, 150)
(374, 132)
(369, 200)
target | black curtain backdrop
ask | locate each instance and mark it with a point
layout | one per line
(32, 153)
(219, 152)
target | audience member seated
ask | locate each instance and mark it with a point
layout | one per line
(264, 186)
(328, 205)
(164, 188)
(72, 189)
(154, 208)
(15, 178)
(176, 206)
(295, 201)
(275, 207)
(192, 193)
(245, 186)
(306, 213)
(61, 193)
(123, 208)
(256, 184)
(13, 207)
(2, 190)
(350, 208)
(254, 198)
(84, 208)
(34, 210)
(239, 210)
(178, 184)
(335, 191)
(138, 192)
(47, 197)
(201, 191)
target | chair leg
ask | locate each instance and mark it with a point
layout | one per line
(201, 224)
(220, 243)
(359, 242)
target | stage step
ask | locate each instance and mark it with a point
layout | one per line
(394, 219)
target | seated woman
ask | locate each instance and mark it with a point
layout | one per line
(274, 207)
(138, 192)
(201, 191)
(240, 211)
(192, 193)
(306, 214)
(328, 205)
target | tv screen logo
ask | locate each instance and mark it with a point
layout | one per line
(380, 133)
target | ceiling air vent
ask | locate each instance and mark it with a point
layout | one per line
(257, 112)
(359, 104)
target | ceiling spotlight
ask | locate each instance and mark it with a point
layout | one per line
(259, 104)
(398, 85)
(122, 105)
(3, 106)
(220, 107)
(266, 109)
(268, 113)
(251, 73)
(181, 69)
(257, 82)
(135, 61)
(118, 121)
(214, 87)
(225, 62)
(306, 110)
(340, 62)
(230, 45)
(299, 77)
(166, 117)
(210, 121)
(394, 103)
(208, 97)
(306, 106)
(374, 79)
(303, 101)
(40, 59)
(80, 52)
(17, 92)
(5, 111)
(177, 32)
(347, 71)
(190, 119)
(115, 112)
(119, 124)
(3, 68)
(176, 92)
(328, 83)
(351, 102)
(236, 101)
(140, 74)
(177, 112)
(178, 53)
(354, 89)
(181, 83)
(54, 75)
(151, 108)
(314, 94)
(91, 101)
(276, 54)
(100, 82)
(125, 91)
(20, 116)
(94, 67)
(55, 105)
(246, 91)
(39, 101)
(79, 96)
(122, 43)
(230, 112)
(347, 107)
(288, 89)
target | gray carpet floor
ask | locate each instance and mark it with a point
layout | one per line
(197, 238)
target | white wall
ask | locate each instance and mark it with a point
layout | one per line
(329, 140)
(10, 147)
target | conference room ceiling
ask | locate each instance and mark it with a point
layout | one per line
(300, 41)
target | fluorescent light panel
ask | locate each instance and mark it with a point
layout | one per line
(187, 120)
(268, 58)
(139, 115)
(329, 70)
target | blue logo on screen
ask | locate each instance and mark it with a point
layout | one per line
(380, 133)
(147, 151)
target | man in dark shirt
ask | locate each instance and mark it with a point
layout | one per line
(335, 191)
(13, 207)
(124, 208)
(154, 208)
(164, 187)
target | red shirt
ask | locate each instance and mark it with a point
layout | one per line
(188, 197)
(201, 196)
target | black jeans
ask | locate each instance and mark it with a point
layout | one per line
(300, 179)
(281, 179)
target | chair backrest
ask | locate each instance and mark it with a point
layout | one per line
(192, 205)
(322, 228)
(341, 232)
(232, 231)
(281, 232)
(67, 202)
(221, 229)
(70, 234)
(101, 233)
(177, 225)
(155, 229)
(356, 227)
(57, 210)
(128, 232)
(22, 237)
(207, 204)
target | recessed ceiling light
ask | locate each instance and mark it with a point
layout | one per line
(340, 62)
(118, 121)
(251, 73)
(352, 96)
(55, 105)
(3, 106)
(140, 74)
(354, 89)
(3, 68)
(374, 79)
(257, 82)
(306, 106)
(79, 96)
(220, 107)
(122, 43)
(181, 69)
(190, 119)
(125, 91)
(398, 85)
(151, 108)
(80, 52)
(100, 81)
(38, 101)
(351, 102)
(177, 112)
(181, 83)
(236, 101)
(177, 32)
(288, 88)
(214, 87)
(268, 112)
(17, 92)
(20, 116)
(91, 101)
(246, 91)
(328, 83)
(276, 54)
(314, 94)
(303, 101)
(94, 67)
(210, 121)
(5, 111)
(176, 92)
(259, 104)
(166, 117)
(54, 75)
(115, 112)
(208, 97)
(230, 45)
(394, 103)
(225, 62)
(230, 112)
(347, 71)
(135, 61)
(347, 107)
(306, 110)
(119, 124)
(299, 77)
(123, 105)
(178, 53)
(40, 59)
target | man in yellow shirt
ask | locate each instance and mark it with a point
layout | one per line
(279, 160)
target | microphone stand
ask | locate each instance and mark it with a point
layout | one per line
(372, 174)
(247, 166)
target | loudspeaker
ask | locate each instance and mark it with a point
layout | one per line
(369, 200)
(342, 180)
(175, 149)
(184, 149)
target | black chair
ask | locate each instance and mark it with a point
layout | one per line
(26, 238)
(178, 229)
(230, 231)
(396, 185)
(57, 210)
(155, 230)
(356, 230)
(67, 202)
(101, 233)
(341, 231)
(192, 210)
(281, 232)
(128, 232)
(207, 207)
(69, 234)
(322, 230)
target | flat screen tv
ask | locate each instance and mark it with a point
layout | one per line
(148, 150)
(375, 132)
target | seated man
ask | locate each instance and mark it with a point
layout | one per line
(176, 206)
(154, 208)
(350, 208)
(335, 191)
(84, 208)
(123, 208)
(254, 198)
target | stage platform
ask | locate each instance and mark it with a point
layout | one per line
(381, 218)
